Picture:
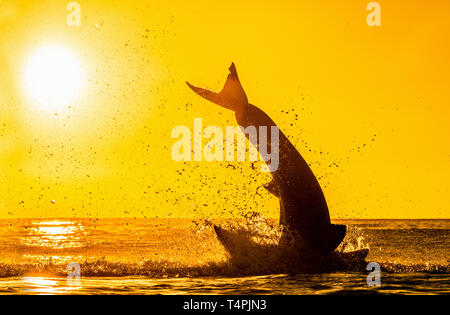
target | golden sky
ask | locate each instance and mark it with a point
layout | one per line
(368, 107)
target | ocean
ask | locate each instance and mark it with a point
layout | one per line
(184, 256)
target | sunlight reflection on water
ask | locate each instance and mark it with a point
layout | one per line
(54, 234)
(43, 285)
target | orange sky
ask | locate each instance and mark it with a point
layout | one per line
(373, 101)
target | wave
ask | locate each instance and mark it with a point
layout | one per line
(258, 251)
(166, 269)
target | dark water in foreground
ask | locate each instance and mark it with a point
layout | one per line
(175, 256)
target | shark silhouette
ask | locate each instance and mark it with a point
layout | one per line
(303, 208)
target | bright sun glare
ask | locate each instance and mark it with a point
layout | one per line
(53, 77)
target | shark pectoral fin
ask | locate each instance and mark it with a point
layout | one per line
(336, 237)
(272, 187)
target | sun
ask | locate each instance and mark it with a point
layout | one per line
(53, 77)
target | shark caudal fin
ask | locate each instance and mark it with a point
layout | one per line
(231, 97)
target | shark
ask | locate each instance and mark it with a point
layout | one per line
(303, 208)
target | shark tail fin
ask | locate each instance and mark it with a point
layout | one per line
(231, 97)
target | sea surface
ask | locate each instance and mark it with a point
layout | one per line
(183, 256)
